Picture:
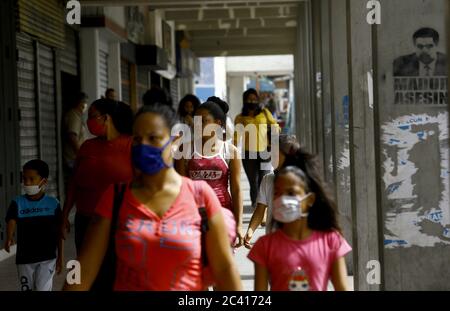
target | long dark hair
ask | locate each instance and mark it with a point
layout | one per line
(323, 213)
(188, 98)
(245, 96)
(216, 110)
(163, 110)
(120, 113)
(157, 95)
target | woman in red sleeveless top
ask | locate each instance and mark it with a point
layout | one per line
(101, 161)
(216, 162)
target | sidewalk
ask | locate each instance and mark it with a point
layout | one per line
(8, 271)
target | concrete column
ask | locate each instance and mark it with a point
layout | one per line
(316, 82)
(414, 146)
(364, 164)
(340, 90)
(114, 72)
(327, 96)
(89, 63)
(302, 70)
(220, 77)
(236, 88)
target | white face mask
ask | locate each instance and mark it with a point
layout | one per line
(287, 209)
(33, 190)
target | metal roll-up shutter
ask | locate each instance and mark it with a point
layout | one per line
(125, 73)
(103, 72)
(29, 143)
(174, 92)
(43, 19)
(69, 55)
(48, 118)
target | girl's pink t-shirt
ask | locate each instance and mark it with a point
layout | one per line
(299, 264)
(159, 253)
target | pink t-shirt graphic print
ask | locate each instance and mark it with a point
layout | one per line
(284, 257)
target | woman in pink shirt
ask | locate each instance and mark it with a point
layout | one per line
(308, 250)
(158, 234)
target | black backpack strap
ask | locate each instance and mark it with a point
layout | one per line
(200, 200)
(107, 274)
(119, 191)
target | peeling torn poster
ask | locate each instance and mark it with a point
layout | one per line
(343, 160)
(416, 180)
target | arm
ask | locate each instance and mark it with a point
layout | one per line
(339, 275)
(68, 205)
(219, 255)
(92, 254)
(236, 194)
(181, 162)
(261, 278)
(237, 134)
(255, 221)
(60, 256)
(180, 167)
(271, 120)
(10, 229)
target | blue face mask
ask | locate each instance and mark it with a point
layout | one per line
(148, 159)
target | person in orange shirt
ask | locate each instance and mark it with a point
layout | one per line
(101, 161)
(160, 225)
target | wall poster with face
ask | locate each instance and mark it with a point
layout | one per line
(420, 78)
(413, 110)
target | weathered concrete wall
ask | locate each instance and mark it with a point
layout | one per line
(317, 81)
(413, 116)
(364, 168)
(327, 96)
(340, 102)
(235, 90)
(89, 62)
(303, 74)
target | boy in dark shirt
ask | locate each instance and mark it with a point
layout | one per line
(37, 217)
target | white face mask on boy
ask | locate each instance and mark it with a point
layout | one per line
(33, 190)
(287, 209)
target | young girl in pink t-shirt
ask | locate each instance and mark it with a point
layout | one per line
(308, 250)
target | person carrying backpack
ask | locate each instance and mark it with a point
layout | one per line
(158, 235)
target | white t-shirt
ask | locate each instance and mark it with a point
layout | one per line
(265, 196)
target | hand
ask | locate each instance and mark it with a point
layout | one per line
(8, 244)
(239, 237)
(248, 238)
(59, 265)
(65, 227)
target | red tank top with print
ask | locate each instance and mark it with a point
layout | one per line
(215, 171)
